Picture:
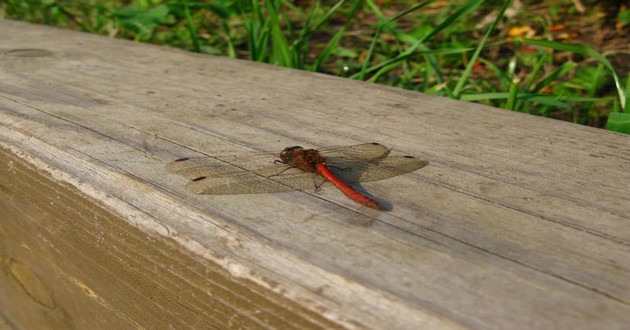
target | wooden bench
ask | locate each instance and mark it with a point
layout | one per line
(517, 222)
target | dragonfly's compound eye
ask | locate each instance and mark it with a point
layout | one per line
(287, 154)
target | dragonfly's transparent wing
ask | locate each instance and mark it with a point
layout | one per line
(212, 177)
(360, 152)
(351, 171)
(251, 161)
(200, 166)
(204, 166)
(247, 183)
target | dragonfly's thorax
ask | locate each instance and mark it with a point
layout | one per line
(303, 159)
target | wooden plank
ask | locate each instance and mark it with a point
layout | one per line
(68, 263)
(518, 221)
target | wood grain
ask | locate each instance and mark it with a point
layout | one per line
(518, 221)
(69, 264)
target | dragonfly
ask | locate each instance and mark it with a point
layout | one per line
(295, 168)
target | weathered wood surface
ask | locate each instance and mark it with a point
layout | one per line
(69, 264)
(517, 222)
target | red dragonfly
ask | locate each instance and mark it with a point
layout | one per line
(297, 168)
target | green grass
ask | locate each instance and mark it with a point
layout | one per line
(435, 47)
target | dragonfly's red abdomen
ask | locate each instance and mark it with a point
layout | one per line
(353, 194)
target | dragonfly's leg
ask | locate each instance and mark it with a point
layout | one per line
(318, 186)
(280, 162)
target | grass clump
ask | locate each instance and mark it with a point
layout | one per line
(523, 56)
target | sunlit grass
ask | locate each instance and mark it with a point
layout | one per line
(435, 47)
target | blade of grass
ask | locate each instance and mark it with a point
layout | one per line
(325, 53)
(364, 70)
(300, 45)
(288, 33)
(512, 94)
(281, 54)
(470, 6)
(431, 60)
(251, 23)
(619, 122)
(71, 16)
(503, 78)
(586, 108)
(191, 28)
(379, 73)
(473, 59)
(334, 42)
(531, 77)
(257, 31)
(560, 71)
(231, 52)
(557, 101)
(587, 51)
(328, 15)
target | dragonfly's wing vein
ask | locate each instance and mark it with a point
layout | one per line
(247, 183)
(255, 182)
(378, 170)
(218, 166)
(359, 152)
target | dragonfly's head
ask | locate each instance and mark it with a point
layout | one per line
(287, 154)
